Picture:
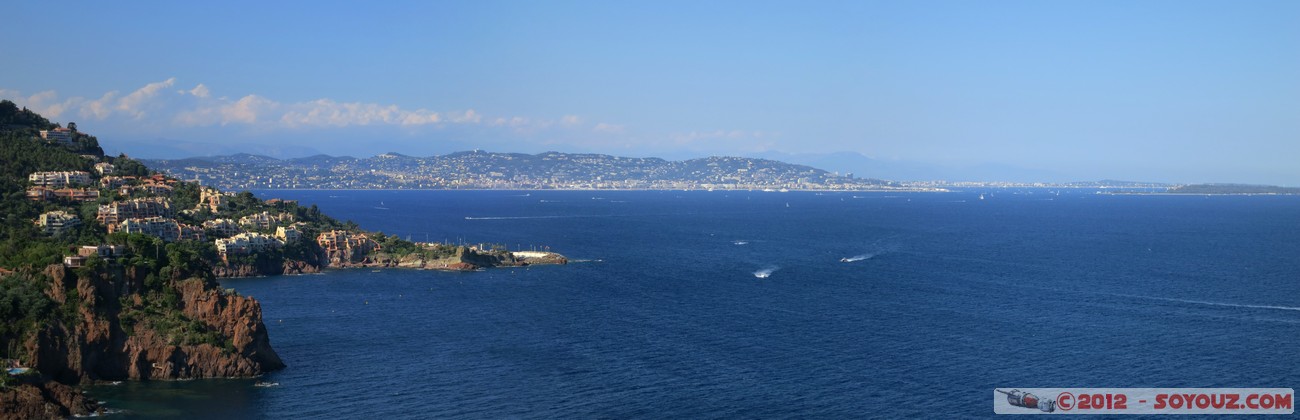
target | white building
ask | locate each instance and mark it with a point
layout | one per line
(265, 220)
(105, 168)
(223, 227)
(246, 242)
(113, 213)
(287, 233)
(103, 251)
(58, 135)
(165, 228)
(114, 182)
(57, 222)
(59, 179)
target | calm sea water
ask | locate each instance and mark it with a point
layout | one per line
(662, 315)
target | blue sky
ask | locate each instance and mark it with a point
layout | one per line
(1180, 91)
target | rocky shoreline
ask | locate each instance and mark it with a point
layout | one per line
(112, 332)
(465, 259)
(45, 400)
(134, 295)
(100, 346)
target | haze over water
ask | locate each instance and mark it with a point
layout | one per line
(661, 314)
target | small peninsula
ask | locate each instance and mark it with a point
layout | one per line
(108, 269)
(1232, 189)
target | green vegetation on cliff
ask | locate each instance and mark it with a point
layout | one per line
(133, 278)
(108, 269)
(141, 301)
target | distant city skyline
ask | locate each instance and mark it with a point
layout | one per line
(1162, 91)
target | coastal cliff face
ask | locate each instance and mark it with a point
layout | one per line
(48, 400)
(287, 267)
(112, 331)
(460, 259)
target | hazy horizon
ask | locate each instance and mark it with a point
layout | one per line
(1161, 91)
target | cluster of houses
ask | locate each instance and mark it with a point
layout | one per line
(60, 185)
(78, 185)
(342, 240)
(248, 242)
(150, 212)
(342, 245)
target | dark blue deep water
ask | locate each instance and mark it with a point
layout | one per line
(661, 314)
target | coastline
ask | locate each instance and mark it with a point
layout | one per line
(917, 189)
(470, 260)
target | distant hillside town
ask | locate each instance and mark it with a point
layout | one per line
(487, 170)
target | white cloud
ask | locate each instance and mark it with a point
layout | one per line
(469, 116)
(134, 103)
(46, 103)
(98, 109)
(608, 128)
(200, 91)
(160, 107)
(245, 110)
(198, 108)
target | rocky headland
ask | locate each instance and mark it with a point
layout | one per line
(109, 269)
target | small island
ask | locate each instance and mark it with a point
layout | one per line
(108, 269)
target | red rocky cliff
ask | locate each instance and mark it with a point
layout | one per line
(117, 334)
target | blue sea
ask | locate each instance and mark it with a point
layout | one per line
(751, 304)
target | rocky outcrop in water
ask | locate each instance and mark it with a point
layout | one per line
(289, 267)
(191, 329)
(460, 259)
(44, 400)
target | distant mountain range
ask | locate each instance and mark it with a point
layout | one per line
(488, 170)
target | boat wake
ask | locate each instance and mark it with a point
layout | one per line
(1204, 302)
(741, 242)
(766, 272)
(105, 413)
(875, 249)
(857, 258)
(264, 384)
